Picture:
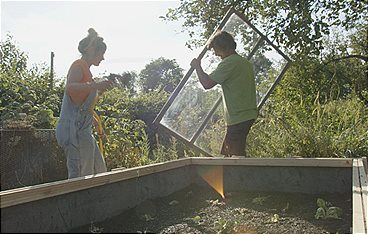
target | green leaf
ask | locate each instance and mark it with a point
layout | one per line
(275, 218)
(196, 219)
(334, 212)
(320, 213)
(321, 203)
(173, 202)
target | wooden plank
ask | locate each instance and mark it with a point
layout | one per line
(294, 162)
(32, 193)
(36, 192)
(358, 210)
(365, 163)
(364, 191)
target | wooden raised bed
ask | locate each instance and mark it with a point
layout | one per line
(64, 205)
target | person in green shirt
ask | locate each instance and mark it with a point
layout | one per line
(236, 76)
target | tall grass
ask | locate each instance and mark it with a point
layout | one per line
(337, 128)
(164, 153)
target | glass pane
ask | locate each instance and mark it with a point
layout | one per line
(189, 108)
(211, 138)
(245, 37)
(267, 64)
(192, 104)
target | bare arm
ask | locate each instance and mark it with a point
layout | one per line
(204, 78)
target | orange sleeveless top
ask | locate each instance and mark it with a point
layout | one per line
(80, 96)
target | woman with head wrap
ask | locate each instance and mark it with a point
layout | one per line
(74, 127)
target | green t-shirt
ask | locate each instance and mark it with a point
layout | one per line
(236, 77)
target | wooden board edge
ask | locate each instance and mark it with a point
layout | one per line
(358, 218)
(32, 193)
(364, 190)
(365, 163)
(37, 192)
(295, 162)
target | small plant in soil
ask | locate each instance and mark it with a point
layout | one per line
(204, 211)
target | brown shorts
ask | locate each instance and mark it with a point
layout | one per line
(235, 139)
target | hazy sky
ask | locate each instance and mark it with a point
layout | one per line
(132, 30)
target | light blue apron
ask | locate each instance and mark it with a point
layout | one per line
(74, 135)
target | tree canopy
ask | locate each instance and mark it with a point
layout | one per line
(296, 26)
(160, 74)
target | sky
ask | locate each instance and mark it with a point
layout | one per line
(132, 30)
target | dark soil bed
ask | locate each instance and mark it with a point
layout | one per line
(202, 210)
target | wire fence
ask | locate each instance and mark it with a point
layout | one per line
(30, 157)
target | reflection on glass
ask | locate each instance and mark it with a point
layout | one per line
(267, 64)
(212, 136)
(210, 61)
(190, 107)
(245, 37)
(193, 102)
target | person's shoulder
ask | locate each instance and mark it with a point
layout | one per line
(76, 68)
(243, 60)
(78, 62)
(230, 59)
(235, 58)
(79, 65)
(240, 57)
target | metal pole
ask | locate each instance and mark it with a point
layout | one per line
(52, 71)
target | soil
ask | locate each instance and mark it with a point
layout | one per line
(202, 210)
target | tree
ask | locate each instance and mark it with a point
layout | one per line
(331, 36)
(296, 26)
(13, 62)
(24, 90)
(126, 80)
(346, 59)
(160, 74)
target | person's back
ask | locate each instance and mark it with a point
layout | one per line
(80, 96)
(236, 77)
(72, 99)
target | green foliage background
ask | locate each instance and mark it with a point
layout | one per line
(29, 91)
(319, 109)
